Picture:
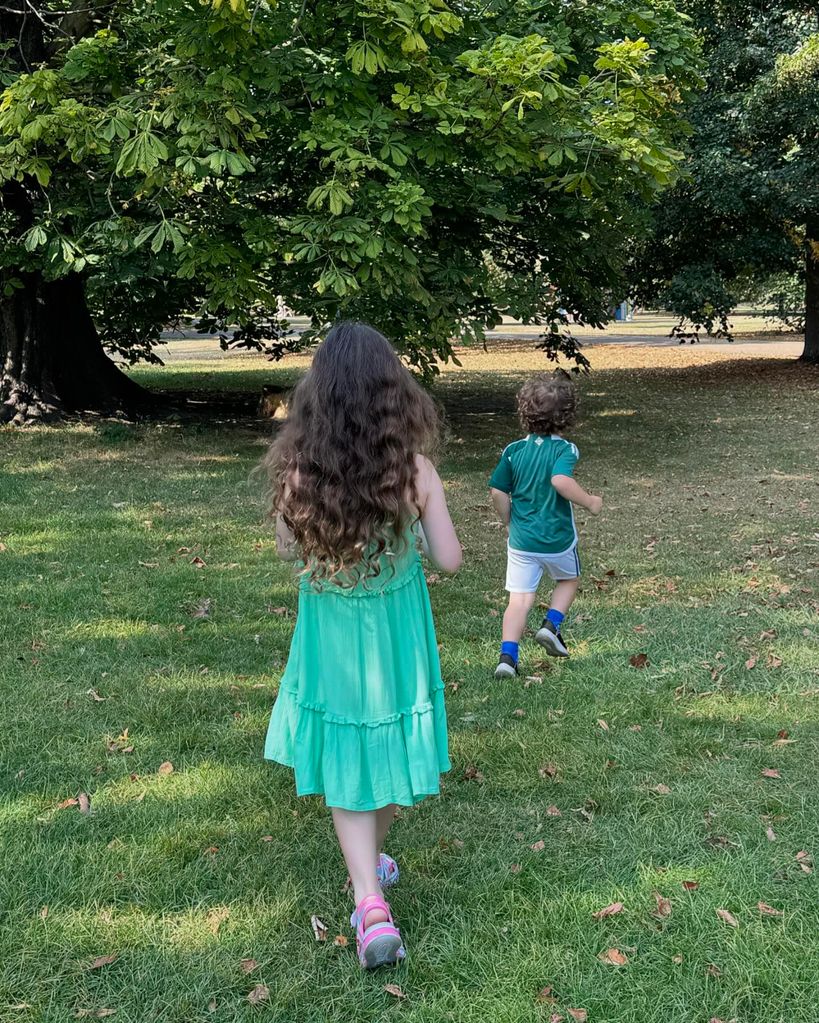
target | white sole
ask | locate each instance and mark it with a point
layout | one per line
(549, 641)
(505, 671)
(386, 951)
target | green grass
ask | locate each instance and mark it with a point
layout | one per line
(710, 531)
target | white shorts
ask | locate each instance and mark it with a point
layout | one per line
(524, 569)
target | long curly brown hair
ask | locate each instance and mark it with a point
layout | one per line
(342, 468)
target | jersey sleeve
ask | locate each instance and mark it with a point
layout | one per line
(501, 478)
(566, 460)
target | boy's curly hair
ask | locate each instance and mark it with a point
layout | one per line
(548, 403)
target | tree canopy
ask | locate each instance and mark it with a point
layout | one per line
(744, 224)
(427, 167)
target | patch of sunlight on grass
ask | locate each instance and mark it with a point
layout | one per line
(110, 628)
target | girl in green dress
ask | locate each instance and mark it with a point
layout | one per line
(360, 712)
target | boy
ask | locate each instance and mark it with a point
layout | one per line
(533, 492)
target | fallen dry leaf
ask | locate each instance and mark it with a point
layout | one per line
(727, 917)
(805, 861)
(750, 663)
(546, 996)
(662, 790)
(770, 834)
(44, 912)
(212, 1005)
(340, 941)
(216, 917)
(538, 846)
(519, 712)
(613, 957)
(772, 661)
(548, 771)
(638, 660)
(319, 928)
(71, 801)
(93, 1013)
(553, 811)
(101, 961)
(473, 774)
(556, 1018)
(248, 965)
(783, 733)
(84, 803)
(677, 959)
(662, 907)
(603, 724)
(770, 772)
(259, 994)
(611, 910)
(197, 562)
(202, 609)
(95, 696)
(267, 838)
(767, 910)
(165, 768)
(395, 991)
(691, 886)
(515, 868)
(578, 1014)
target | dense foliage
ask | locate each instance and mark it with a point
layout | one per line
(744, 225)
(427, 167)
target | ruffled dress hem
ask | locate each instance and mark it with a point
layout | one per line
(371, 763)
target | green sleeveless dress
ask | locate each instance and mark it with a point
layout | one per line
(360, 711)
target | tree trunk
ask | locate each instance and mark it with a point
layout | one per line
(51, 359)
(811, 351)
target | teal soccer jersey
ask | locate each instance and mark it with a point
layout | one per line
(542, 521)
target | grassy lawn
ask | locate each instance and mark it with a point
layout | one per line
(145, 621)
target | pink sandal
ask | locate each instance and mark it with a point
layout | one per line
(379, 944)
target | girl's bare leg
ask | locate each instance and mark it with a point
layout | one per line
(385, 815)
(357, 833)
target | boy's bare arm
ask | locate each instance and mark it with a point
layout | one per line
(569, 488)
(502, 503)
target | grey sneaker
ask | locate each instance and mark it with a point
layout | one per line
(548, 635)
(507, 667)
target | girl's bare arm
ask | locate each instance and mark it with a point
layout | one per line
(441, 541)
(285, 541)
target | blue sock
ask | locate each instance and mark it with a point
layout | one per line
(555, 617)
(507, 647)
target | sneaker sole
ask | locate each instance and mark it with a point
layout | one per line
(505, 671)
(386, 951)
(549, 641)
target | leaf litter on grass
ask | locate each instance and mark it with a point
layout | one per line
(611, 910)
(613, 957)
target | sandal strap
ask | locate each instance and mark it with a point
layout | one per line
(367, 904)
